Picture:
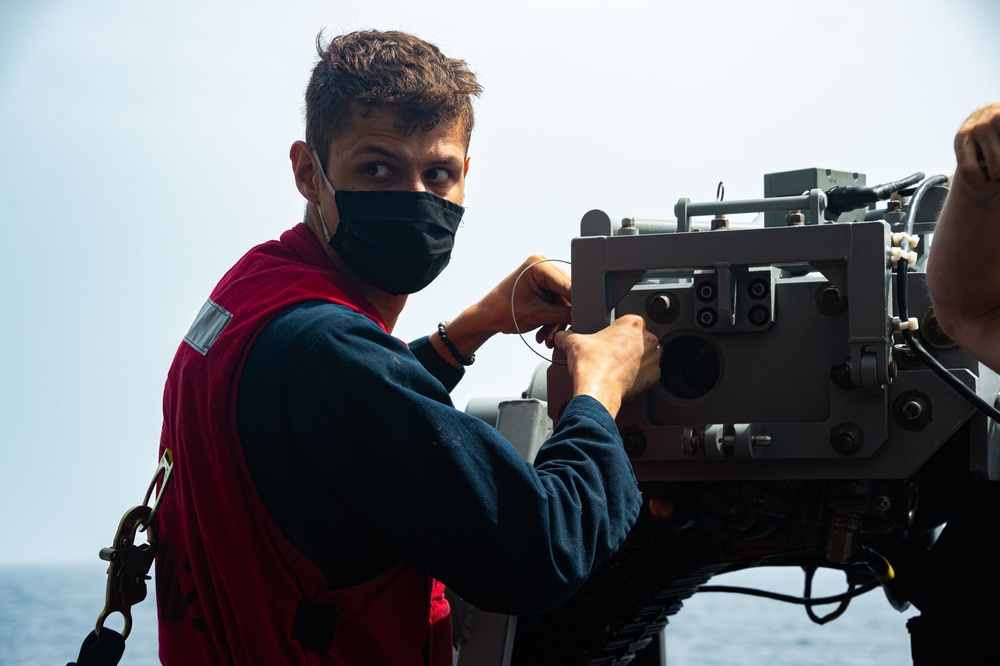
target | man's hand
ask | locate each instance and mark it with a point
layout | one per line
(613, 365)
(541, 299)
(977, 152)
(964, 287)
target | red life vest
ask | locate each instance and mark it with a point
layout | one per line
(231, 589)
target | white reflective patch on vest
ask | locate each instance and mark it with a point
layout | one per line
(207, 326)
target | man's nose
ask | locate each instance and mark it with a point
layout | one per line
(414, 182)
(418, 185)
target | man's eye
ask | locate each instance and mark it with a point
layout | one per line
(378, 170)
(438, 174)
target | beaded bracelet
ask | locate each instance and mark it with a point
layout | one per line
(451, 347)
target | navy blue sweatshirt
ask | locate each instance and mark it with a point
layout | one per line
(360, 458)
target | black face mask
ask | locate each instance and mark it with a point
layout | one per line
(398, 241)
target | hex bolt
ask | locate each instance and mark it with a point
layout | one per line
(795, 219)
(846, 439)
(913, 409)
(628, 227)
(634, 442)
(840, 375)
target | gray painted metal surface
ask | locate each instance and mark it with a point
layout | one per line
(780, 356)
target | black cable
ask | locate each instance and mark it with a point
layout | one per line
(888, 189)
(901, 297)
(787, 598)
(872, 563)
(843, 199)
(952, 380)
(917, 198)
(834, 614)
(868, 561)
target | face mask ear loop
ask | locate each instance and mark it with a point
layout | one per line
(319, 207)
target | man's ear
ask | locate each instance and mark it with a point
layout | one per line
(306, 171)
(465, 171)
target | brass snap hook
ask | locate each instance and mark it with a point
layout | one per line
(165, 469)
(128, 568)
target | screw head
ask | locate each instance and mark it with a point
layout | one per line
(634, 441)
(830, 300)
(846, 439)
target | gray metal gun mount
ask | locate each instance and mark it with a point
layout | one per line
(792, 424)
(780, 357)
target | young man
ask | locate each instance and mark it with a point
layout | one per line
(324, 488)
(961, 274)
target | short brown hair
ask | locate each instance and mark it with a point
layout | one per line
(389, 69)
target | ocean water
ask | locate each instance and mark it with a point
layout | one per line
(47, 611)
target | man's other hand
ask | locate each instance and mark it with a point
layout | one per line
(614, 365)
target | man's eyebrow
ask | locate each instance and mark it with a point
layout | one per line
(447, 161)
(372, 148)
(376, 149)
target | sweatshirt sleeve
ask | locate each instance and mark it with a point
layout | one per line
(442, 370)
(456, 497)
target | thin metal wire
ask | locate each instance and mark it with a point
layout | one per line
(513, 316)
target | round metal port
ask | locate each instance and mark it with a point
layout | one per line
(662, 308)
(758, 289)
(707, 317)
(759, 315)
(690, 367)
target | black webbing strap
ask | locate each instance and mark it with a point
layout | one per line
(105, 649)
(314, 626)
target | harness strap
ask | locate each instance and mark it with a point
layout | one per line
(105, 649)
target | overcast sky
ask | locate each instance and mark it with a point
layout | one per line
(144, 148)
